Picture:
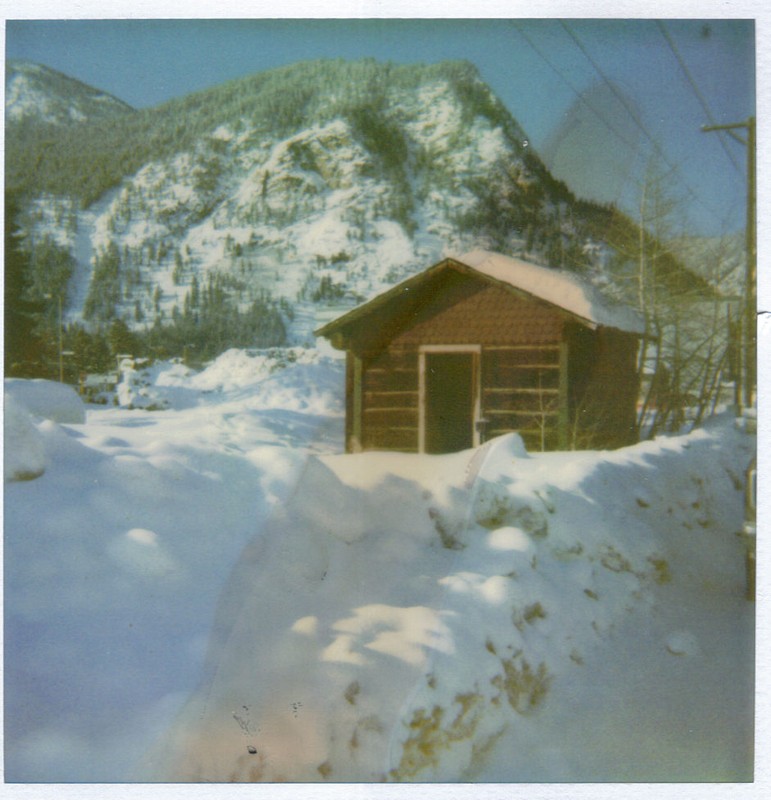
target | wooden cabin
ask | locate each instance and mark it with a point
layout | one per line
(482, 345)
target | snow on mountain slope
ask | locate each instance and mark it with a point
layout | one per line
(360, 203)
(39, 93)
(274, 218)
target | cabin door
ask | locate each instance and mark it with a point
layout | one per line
(449, 399)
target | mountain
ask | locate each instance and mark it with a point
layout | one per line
(290, 191)
(44, 96)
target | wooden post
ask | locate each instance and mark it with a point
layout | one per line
(358, 397)
(563, 420)
(748, 376)
(750, 342)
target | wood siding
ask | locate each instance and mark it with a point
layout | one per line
(521, 392)
(390, 400)
(467, 312)
(542, 374)
(605, 391)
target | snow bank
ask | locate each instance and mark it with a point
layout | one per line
(115, 557)
(47, 400)
(23, 452)
(297, 380)
(414, 618)
(490, 615)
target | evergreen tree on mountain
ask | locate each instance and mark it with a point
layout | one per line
(23, 346)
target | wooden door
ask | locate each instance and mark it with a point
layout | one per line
(450, 397)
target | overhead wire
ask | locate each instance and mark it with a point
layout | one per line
(578, 93)
(697, 92)
(635, 117)
(619, 96)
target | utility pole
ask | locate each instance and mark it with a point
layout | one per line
(61, 342)
(749, 349)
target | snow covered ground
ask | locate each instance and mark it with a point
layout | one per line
(212, 592)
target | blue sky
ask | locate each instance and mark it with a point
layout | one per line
(675, 76)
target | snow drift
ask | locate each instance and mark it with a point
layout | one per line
(116, 553)
(210, 592)
(47, 399)
(23, 451)
(427, 618)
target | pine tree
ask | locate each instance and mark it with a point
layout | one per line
(23, 347)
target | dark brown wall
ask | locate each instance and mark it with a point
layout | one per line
(390, 400)
(606, 410)
(520, 370)
(467, 311)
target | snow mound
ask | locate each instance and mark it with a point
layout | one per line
(23, 452)
(47, 400)
(117, 554)
(293, 380)
(234, 369)
(489, 615)
(434, 608)
(242, 369)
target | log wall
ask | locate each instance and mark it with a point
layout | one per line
(390, 400)
(555, 382)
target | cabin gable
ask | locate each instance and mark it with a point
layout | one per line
(454, 358)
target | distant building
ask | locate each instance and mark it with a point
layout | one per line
(96, 388)
(482, 345)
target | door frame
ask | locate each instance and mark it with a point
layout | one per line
(476, 379)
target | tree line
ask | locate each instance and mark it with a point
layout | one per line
(38, 344)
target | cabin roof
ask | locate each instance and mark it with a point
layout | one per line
(556, 287)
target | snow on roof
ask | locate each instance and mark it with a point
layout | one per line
(561, 288)
(558, 287)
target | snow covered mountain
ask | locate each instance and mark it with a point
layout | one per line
(314, 184)
(42, 95)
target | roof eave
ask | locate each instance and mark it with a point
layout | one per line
(380, 300)
(334, 328)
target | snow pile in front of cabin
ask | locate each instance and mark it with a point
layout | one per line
(487, 615)
(120, 533)
(491, 615)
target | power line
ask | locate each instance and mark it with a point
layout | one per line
(580, 95)
(699, 96)
(633, 114)
(619, 96)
